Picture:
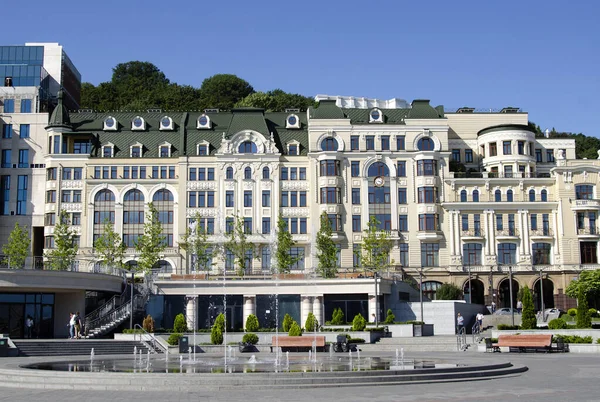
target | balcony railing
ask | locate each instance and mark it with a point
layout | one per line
(587, 203)
(541, 232)
(507, 232)
(472, 233)
(588, 231)
(495, 175)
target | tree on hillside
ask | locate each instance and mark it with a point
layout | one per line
(152, 243)
(62, 256)
(109, 247)
(326, 249)
(376, 248)
(17, 247)
(276, 101)
(223, 91)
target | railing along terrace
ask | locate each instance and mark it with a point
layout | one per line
(495, 175)
(49, 264)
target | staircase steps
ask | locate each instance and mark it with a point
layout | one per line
(73, 347)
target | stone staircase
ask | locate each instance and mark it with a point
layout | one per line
(76, 347)
(438, 343)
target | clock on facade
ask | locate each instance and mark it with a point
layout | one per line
(379, 181)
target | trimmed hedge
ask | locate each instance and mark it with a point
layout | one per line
(250, 338)
(557, 323)
(174, 339)
(506, 327)
(572, 338)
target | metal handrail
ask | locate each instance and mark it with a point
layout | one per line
(461, 339)
(106, 308)
(115, 314)
(151, 337)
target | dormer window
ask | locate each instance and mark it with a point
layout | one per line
(108, 150)
(135, 151)
(293, 148)
(202, 149)
(166, 123)
(138, 124)
(203, 122)
(375, 116)
(292, 121)
(164, 151)
(110, 124)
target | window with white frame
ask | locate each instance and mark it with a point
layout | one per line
(164, 150)
(135, 151)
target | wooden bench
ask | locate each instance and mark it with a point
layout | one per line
(525, 343)
(298, 343)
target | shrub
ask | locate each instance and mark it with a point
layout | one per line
(572, 312)
(295, 329)
(557, 323)
(356, 340)
(250, 338)
(390, 317)
(179, 324)
(593, 312)
(528, 319)
(174, 339)
(148, 323)
(359, 323)
(506, 327)
(449, 291)
(252, 323)
(311, 323)
(573, 338)
(287, 322)
(338, 317)
(583, 315)
(216, 333)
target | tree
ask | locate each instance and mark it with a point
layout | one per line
(311, 323)
(195, 243)
(252, 323)
(376, 248)
(326, 249)
(109, 247)
(179, 324)
(359, 323)
(243, 251)
(338, 317)
(62, 256)
(287, 322)
(589, 281)
(223, 91)
(583, 314)
(448, 291)
(285, 242)
(17, 247)
(152, 243)
(528, 319)
(390, 318)
(217, 330)
(276, 101)
(295, 330)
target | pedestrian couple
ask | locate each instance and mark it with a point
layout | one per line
(74, 326)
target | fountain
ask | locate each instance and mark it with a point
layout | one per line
(252, 359)
(92, 356)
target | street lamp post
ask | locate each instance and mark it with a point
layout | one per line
(421, 291)
(131, 302)
(470, 288)
(542, 295)
(376, 301)
(512, 311)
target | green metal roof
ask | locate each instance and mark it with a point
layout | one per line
(327, 109)
(504, 127)
(60, 115)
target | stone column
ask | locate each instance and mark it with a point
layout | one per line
(305, 308)
(318, 309)
(249, 307)
(191, 312)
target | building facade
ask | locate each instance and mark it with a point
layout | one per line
(468, 197)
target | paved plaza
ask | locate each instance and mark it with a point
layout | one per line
(551, 377)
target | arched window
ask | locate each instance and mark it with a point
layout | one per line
(509, 196)
(475, 195)
(463, 196)
(425, 144)
(229, 173)
(430, 288)
(266, 173)
(498, 196)
(378, 169)
(133, 217)
(163, 202)
(247, 173)
(163, 266)
(247, 147)
(544, 196)
(104, 212)
(329, 144)
(532, 195)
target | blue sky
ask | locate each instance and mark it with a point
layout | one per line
(542, 56)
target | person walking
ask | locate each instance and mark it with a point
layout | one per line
(71, 326)
(460, 321)
(519, 306)
(479, 319)
(28, 327)
(493, 307)
(77, 326)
